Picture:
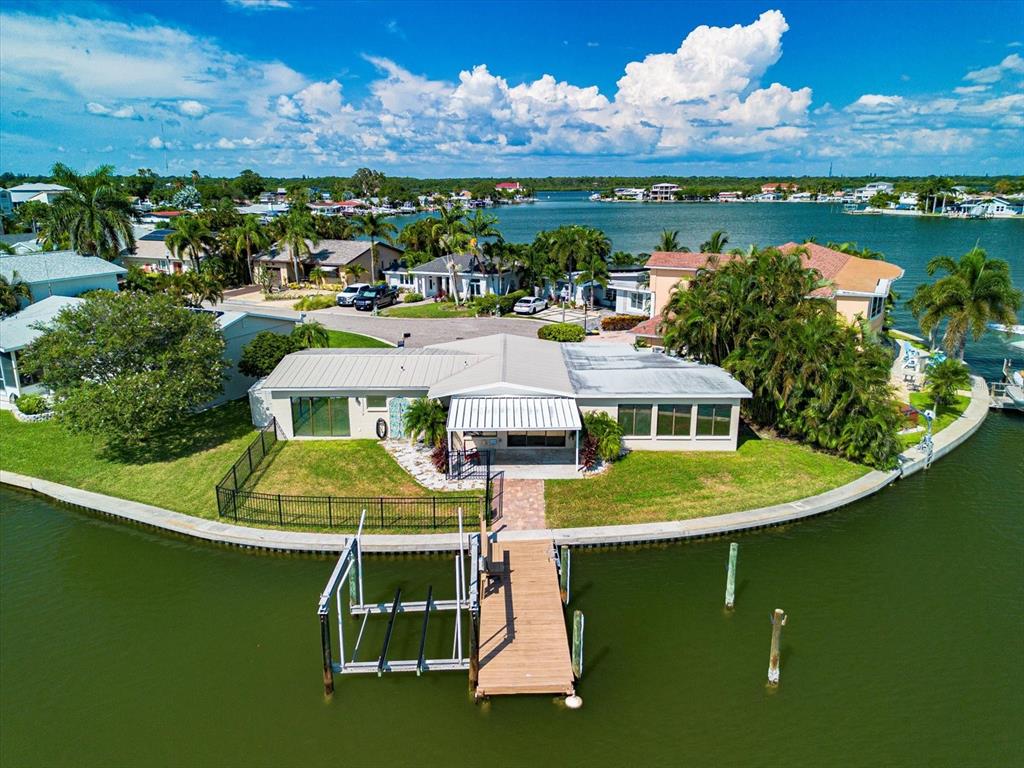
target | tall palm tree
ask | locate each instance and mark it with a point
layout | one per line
(190, 237)
(716, 243)
(451, 235)
(248, 238)
(11, 294)
(374, 227)
(669, 241)
(594, 270)
(945, 379)
(298, 235)
(975, 291)
(94, 215)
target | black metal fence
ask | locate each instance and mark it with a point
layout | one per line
(468, 465)
(237, 501)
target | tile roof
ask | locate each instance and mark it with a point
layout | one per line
(648, 327)
(686, 260)
(55, 265)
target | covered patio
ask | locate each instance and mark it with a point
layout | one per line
(527, 436)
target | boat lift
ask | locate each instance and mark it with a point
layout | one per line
(467, 599)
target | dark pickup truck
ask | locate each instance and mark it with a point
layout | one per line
(376, 296)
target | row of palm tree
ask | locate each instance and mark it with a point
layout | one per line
(669, 241)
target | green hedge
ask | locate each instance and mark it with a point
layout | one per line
(30, 405)
(561, 332)
(314, 302)
(486, 305)
(409, 298)
(621, 322)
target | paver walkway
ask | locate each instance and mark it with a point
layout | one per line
(522, 506)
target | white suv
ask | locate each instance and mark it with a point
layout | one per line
(348, 296)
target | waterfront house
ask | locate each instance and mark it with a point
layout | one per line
(519, 397)
(238, 329)
(331, 256)
(16, 333)
(778, 187)
(630, 193)
(60, 273)
(729, 197)
(663, 193)
(990, 208)
(865, 193)
(857, 287)
(508, 186)
(472, 276)
(35, 191)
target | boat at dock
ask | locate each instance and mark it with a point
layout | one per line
(1008, 394)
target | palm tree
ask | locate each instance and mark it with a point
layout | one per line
(594, 269)
(191, 236)
(93, 214)
(669, 241)
(7, 248)
(353, 272)
(976, 291)
(248, 238)
(298, 235)
(853, 250)
(375, 227)
(945, 379)
(426, 419)
(317, 276)
(716, 243)
(450, 233)
(311, 335)
(12, 292)
(624, 259)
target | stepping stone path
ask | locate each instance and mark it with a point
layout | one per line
(522, 506)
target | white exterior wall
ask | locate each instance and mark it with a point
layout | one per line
(661, 443)
(362, 420)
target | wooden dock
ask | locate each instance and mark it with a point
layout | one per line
(523, 643)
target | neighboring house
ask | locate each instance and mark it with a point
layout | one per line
(6, 205)
(507, 186)
(160, 218)
(991, 208)
(152, 254)
(35, 191)
(522, 398)
(16, 333)
(627, 291)
(630, 193)
(729, 197)
(663, 193)
(473, 277)
(23, 242)
(778, 187)
(61, 273)
(858, 287)
(332, 256)
(239, 328)
(865, 193)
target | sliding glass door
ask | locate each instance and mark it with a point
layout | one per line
(320, 416)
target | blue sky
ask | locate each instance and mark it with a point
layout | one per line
(291, 87)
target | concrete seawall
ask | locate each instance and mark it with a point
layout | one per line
(215, 531)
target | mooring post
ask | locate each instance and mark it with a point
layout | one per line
(730, 580)
(778, 622)
(485, 546)
(563, 573)
(325, 642)
(577, 644)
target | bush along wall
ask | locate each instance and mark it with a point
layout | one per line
(561, 332)
(621, 322)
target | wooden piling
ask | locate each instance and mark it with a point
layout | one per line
(730, 581)
(778, 622)
(564, 560)
(577, 644)
(325, 642)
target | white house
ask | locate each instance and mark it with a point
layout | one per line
(521, 398)
(17, 332)
(991, 208)
(663, 193)
(472, 277)
(35, 191)
(865, 193)
(627, 292)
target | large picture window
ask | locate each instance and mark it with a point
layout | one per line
(713, 420)
(635, 420)
(320, 416)
(674, 420)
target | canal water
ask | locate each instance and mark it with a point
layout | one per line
(904, 645)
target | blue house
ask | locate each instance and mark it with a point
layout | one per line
(60, 273)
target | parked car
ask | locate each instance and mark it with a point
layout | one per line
(375, 296)
(530, 305)
(348, 296)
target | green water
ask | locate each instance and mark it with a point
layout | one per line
(904, 647)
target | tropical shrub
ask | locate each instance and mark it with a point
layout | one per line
(30, 405)
(309, 335)
(439, 457)
(261, 355)
(426, 419)
(606, 433)
(409, 298)
(127, 366)
(588, 452)
(561, 332)
(621, 322)
(508, 301)
(316, 301)
(812, 376)
(486, 305)
(943, 379)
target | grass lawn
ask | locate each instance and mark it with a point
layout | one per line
(346, 339)
(431, 310)
(922, 401)
(179, 475)
(648, 486)
(336, 468)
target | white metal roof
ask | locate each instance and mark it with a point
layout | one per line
(515, 364)
(503, 414)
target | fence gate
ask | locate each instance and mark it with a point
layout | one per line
(495, 494)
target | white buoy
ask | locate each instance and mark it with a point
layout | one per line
(573, 702)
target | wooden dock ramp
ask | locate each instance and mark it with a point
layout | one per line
(523, 643)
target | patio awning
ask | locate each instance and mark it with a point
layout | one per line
(512, 414)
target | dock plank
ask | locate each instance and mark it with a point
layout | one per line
(524, 647)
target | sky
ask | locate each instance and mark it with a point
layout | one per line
(300, 87)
